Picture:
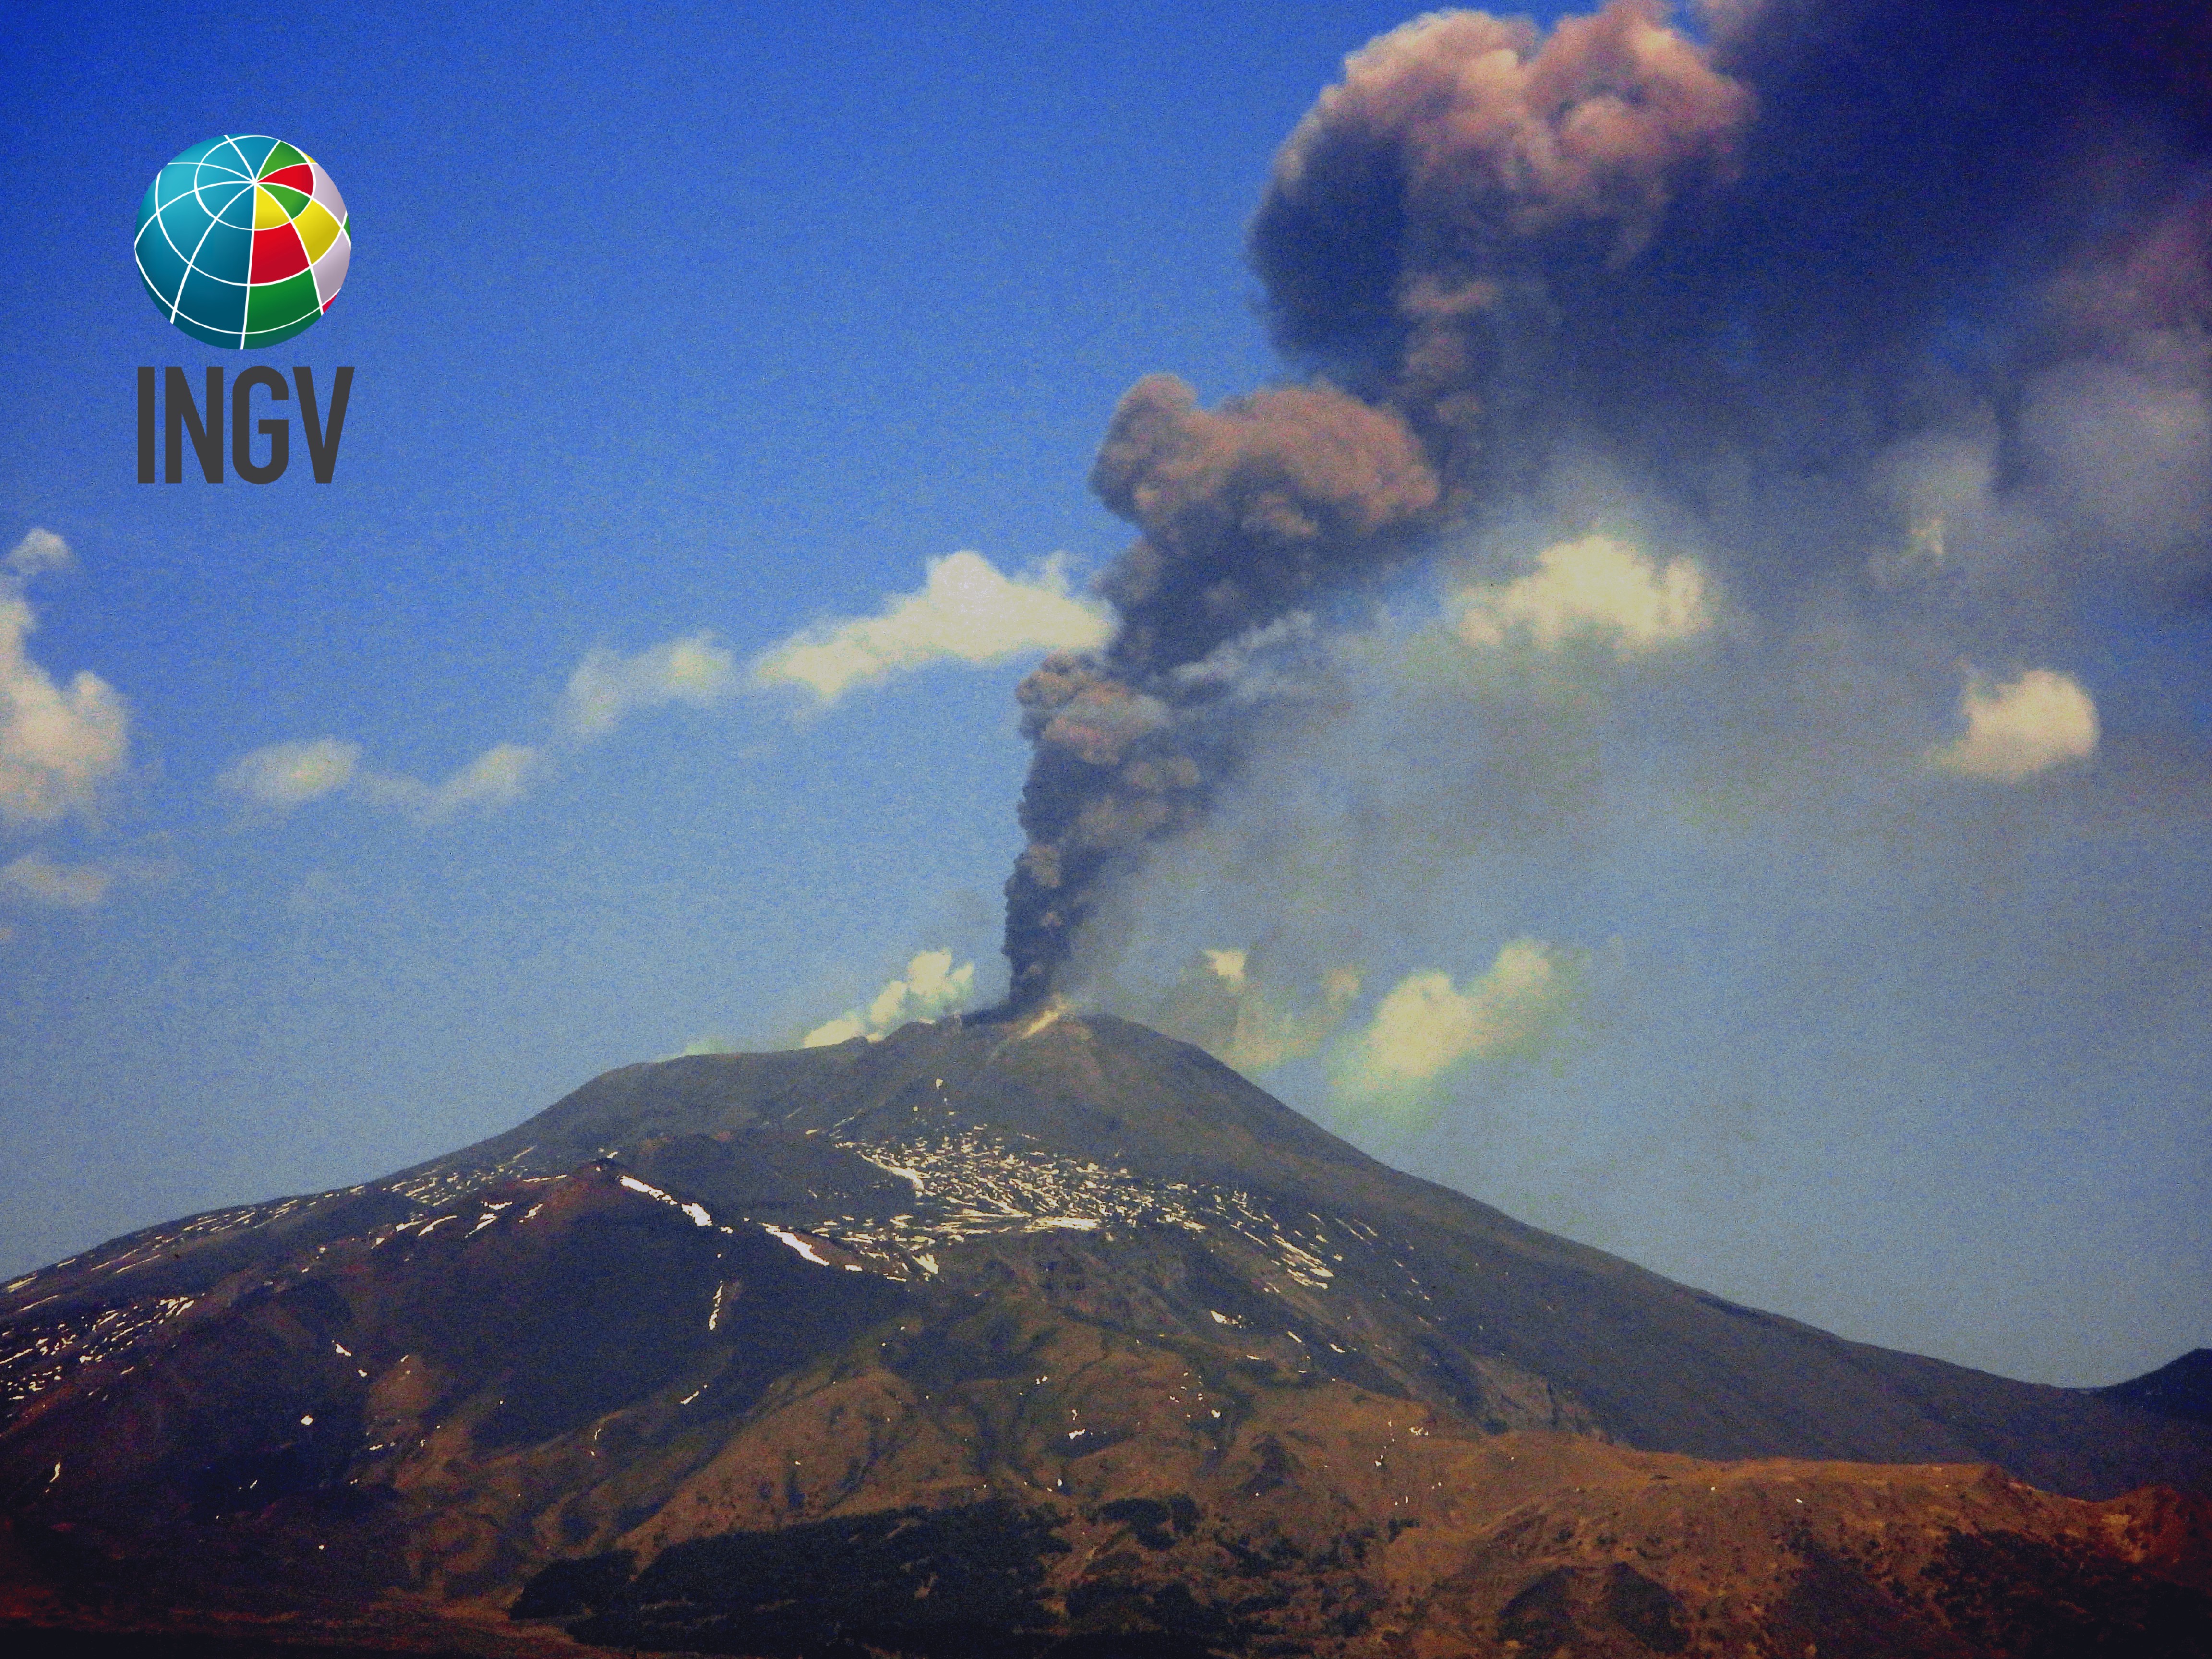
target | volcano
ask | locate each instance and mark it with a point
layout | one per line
(1049, 1338)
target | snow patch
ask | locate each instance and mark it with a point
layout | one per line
(698, 1214)
(912, 1177)
(798, 1244)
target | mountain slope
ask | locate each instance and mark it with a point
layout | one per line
(1115, 1343)
(1444, 1287)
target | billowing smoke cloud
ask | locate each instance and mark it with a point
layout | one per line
(1430, 215)
(1405, 240)
(1248, 513)
(1907, 297)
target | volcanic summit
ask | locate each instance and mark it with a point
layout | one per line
(1056, 1337)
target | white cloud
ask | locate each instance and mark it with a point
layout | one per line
(932, 988)
(1425, 1028)
(58, 744)
(967, 612)
(494, 779)
(68, 886)
(1595, 588)
(39, 551)
(607, 685)
(2040, 719)
(288, 774)
(284, 775)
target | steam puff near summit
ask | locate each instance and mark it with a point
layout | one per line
(931, 988)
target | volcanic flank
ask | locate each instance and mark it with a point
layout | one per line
(1052, 1338)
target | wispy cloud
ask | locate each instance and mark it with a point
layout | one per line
(288, 774)
(967, 612)
(2024, 725)
(37, 877)
(494, 779)
(608, 685)
(285, 775)
(41, 550)
(59, 745)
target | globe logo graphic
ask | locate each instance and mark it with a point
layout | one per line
(243, 241)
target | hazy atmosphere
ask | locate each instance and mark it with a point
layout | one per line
(1614, 607)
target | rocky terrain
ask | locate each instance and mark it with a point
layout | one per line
(1057, 1337)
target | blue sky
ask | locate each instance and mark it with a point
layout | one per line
(677, 343)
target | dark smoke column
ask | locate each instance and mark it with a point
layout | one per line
(1410, 230)
(1246, 512)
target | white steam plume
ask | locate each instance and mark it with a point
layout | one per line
(1426, 1029)
(932, 988)
(1593, 587)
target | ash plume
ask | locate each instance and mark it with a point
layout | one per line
(1784, 253)
(1247, 511)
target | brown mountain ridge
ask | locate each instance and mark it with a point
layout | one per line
(1051, 1338)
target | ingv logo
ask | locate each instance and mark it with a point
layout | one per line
(243, 241)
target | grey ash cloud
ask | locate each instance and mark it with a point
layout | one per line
(1821, 279)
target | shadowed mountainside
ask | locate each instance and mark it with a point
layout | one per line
(1054, 1334)
(1446, 1287)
